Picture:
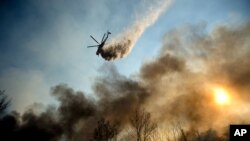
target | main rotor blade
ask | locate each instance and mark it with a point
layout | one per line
(103, 36)
(93, 46)
(94, 39)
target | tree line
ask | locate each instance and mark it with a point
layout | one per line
(142, 128)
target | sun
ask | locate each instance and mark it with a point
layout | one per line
(221, 96)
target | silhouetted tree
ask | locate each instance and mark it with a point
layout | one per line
(4, 102)
(142, 124)
(194, 135)
(105, 131)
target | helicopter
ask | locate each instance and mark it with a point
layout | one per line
(100, 45)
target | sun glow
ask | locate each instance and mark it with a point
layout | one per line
(221, 96)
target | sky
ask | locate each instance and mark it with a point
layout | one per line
(43, 43)
(185, 63)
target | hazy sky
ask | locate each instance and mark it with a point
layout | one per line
(43, 43)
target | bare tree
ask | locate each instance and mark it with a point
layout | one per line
(4, 102)
(176, 132)
(160, 134)
(142, 124)
(105, 131)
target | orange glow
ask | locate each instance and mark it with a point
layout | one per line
(221, 96)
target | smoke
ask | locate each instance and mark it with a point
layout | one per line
(174, 86)
(121, 45)
(217, 58)
(76, 115)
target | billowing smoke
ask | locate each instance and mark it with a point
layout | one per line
(76, 115)
(174, 86)
(217, 58)
(121, 45)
